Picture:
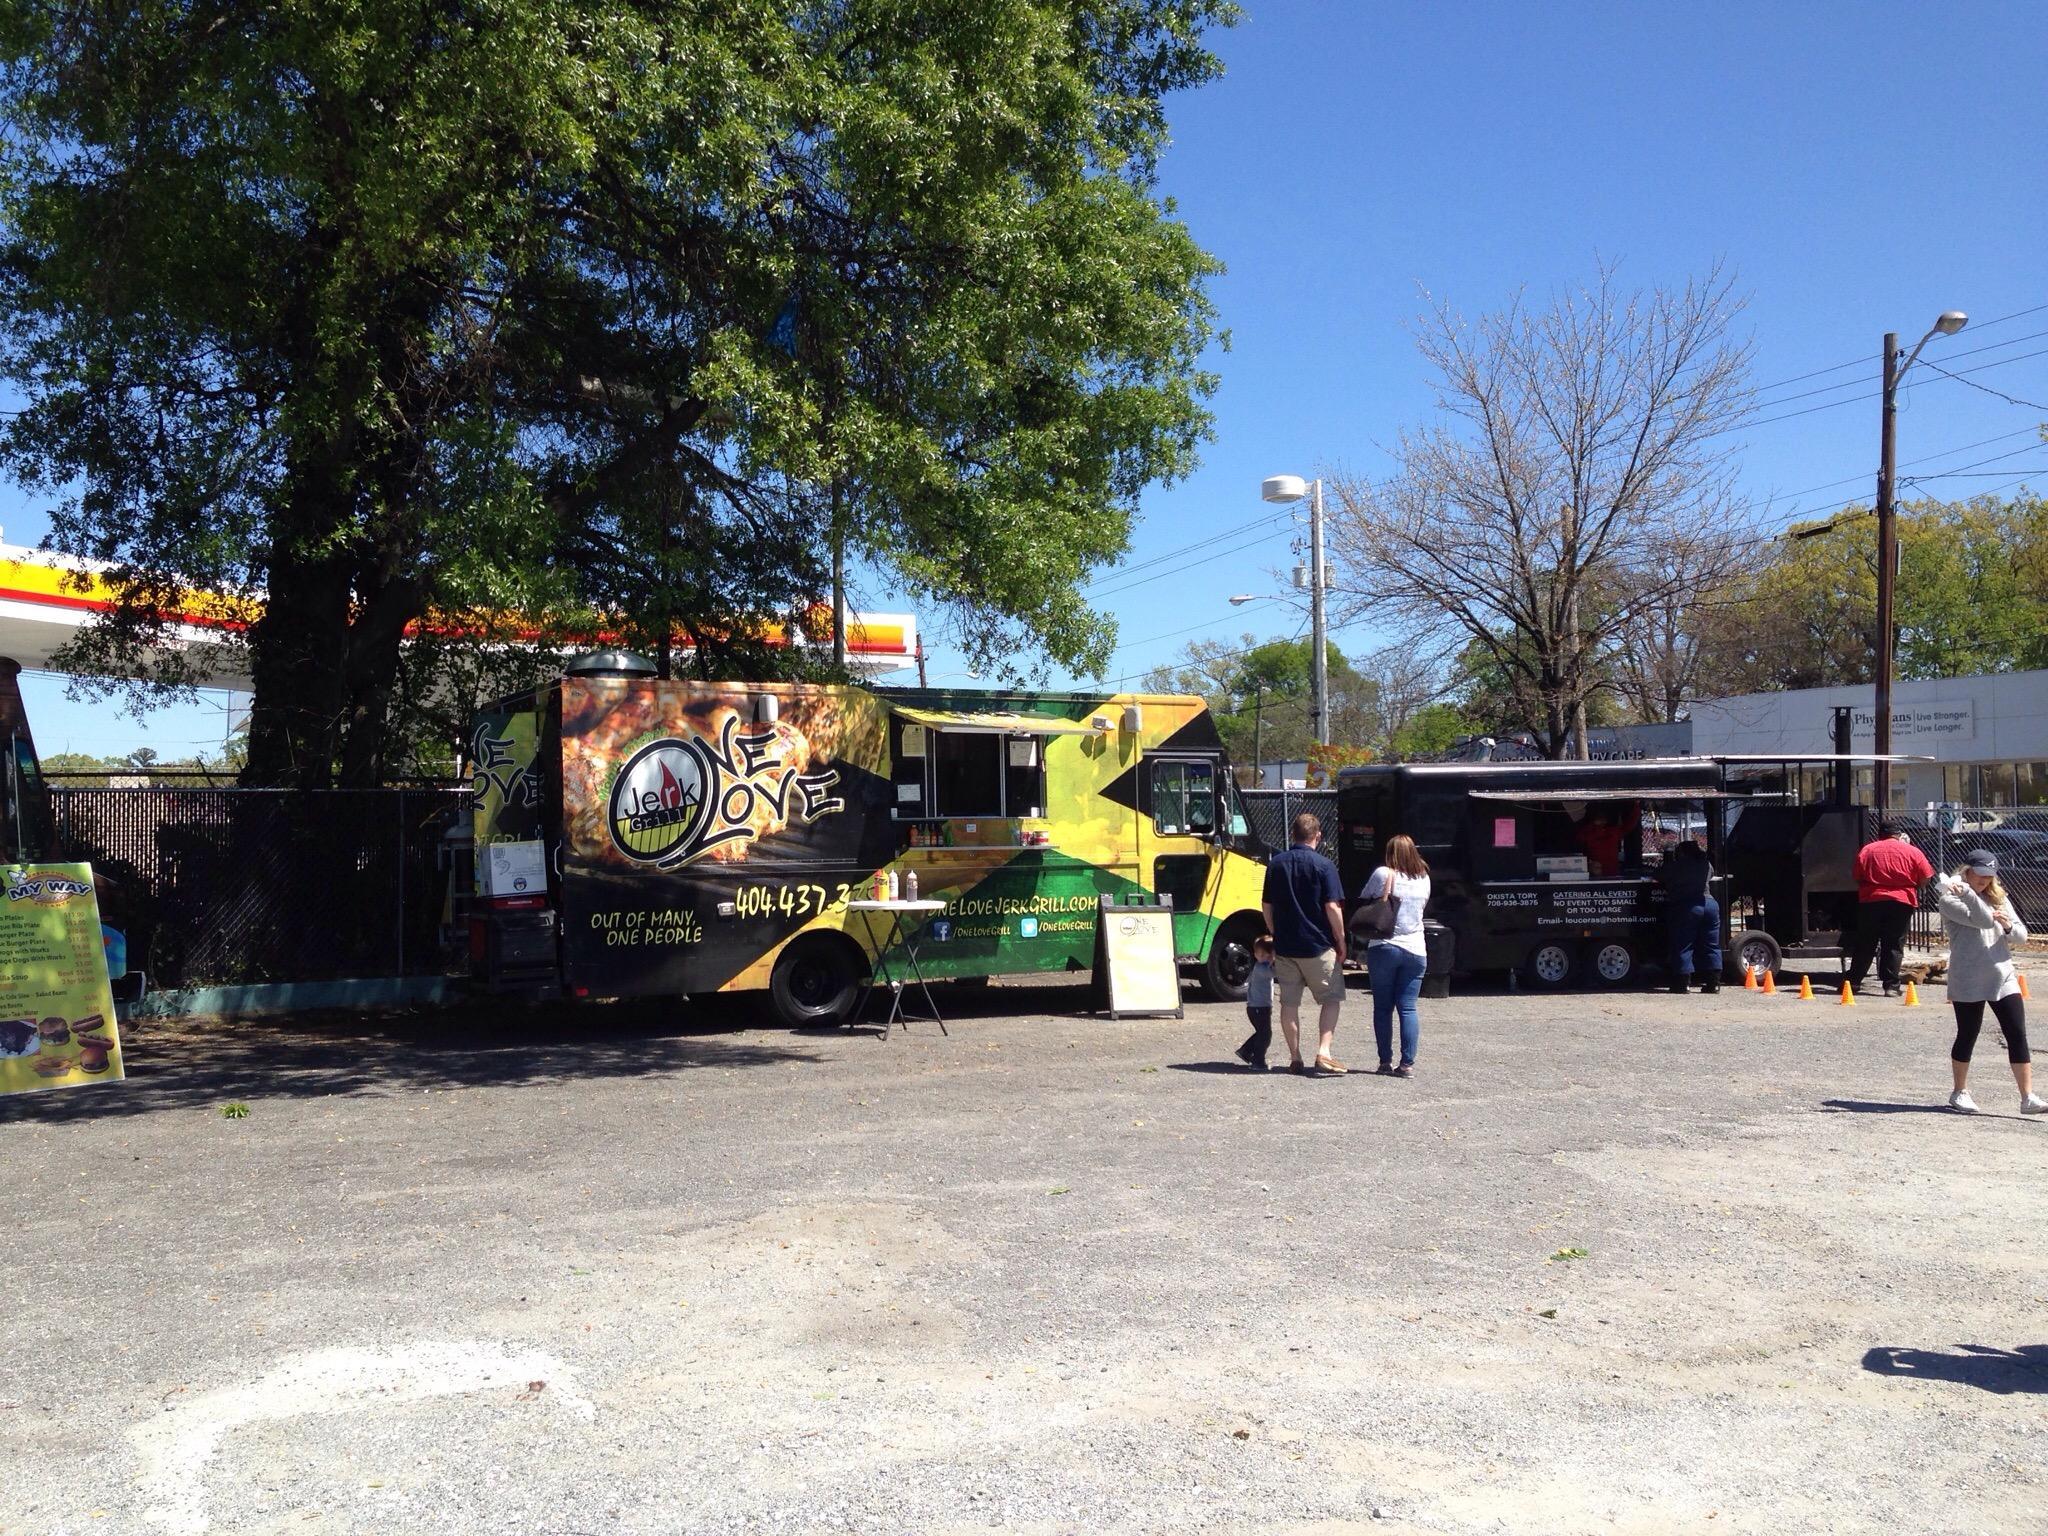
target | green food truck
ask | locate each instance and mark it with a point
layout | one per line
(634, 836)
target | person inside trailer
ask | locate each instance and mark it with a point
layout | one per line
(1599, 837)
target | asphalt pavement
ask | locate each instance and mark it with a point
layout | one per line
(1609, 1262)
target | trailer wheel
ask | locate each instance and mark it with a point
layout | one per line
(1549, 966)
(815, 982)
(1752, 948)
(1611, 962)
(1229, 967)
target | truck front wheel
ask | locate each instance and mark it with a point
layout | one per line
(815, 982)
(1229, 966)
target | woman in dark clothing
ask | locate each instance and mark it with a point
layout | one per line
(1692, 918)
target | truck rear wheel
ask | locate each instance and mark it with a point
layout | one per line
(1229, 966)
(1752, 948)
(815, 982)
(1549, 965)
(1611, 962)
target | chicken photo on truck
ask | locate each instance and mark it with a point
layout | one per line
(635, 836)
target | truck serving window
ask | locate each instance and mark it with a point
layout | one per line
(1183, 798)
(967, 773)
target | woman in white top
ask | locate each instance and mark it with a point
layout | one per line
(1981, 926)
(1395, 964)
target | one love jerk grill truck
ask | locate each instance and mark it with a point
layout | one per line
(633, 836)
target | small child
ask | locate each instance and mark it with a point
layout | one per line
(1258, 1004)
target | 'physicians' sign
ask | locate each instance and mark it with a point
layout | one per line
(1920, 725)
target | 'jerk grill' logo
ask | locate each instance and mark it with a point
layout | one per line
(679, 798)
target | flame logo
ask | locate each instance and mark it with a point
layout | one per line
(660, 799)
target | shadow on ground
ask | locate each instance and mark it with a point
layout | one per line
(175, 1064)
(1881, 1107)
(1971, 1365)
(179, 1064)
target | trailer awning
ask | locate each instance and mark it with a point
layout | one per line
(1649, 792)
(997, 725)
(1821, 757)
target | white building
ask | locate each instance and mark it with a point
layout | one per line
(1987, 736)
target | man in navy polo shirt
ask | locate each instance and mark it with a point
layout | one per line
(1304, 908)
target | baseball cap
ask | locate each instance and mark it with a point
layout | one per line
(1980, 862)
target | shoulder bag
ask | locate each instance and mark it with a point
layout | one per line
(1375, 919)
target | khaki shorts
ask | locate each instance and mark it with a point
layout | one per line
(1321, 974)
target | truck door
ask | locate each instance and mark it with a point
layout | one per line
(1176, 838)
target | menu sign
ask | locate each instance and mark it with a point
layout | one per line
(57, 1025)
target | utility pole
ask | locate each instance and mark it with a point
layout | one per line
(1946, 324)
(1291, 488)
(1887, 563)
(1319, 659)
(1259, 727)
(920, 662)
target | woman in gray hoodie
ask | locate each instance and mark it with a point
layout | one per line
(1981, 926)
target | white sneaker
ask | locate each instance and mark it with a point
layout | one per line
(2033, 1104)
(1961, 1102)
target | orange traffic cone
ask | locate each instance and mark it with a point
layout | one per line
(1912, 995)
(1806, 989)
(1749, 978)
(1770, 986)
(1848, 995)
(2023, 987)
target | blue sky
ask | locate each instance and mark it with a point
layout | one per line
(1859, 168)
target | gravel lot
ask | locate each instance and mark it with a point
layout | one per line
(599, 1273)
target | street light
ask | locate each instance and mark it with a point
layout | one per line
(1946, 324)
(1244, 597)
(1290, 488)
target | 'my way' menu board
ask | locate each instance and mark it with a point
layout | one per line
(57, 1026)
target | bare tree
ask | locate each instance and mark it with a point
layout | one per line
(1405, 677)
(1579, 447)
(1668, 645)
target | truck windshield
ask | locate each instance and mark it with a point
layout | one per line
(1184, 798)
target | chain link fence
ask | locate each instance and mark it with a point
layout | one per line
(2018, 835)
(1271, 812)
(218, 886)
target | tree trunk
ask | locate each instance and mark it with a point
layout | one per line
(297, 660)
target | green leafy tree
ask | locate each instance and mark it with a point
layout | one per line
(586, 322)
(1972, 597)
(1434, 730)
(1259, 694)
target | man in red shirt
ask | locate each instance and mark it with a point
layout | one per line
(1889, 874)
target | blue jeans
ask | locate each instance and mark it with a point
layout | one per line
(1696, 939)
(1396, 975)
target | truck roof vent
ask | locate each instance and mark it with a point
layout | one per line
(610, 664)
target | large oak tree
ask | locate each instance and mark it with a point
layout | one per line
(484, 319)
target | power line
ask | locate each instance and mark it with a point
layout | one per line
(1877, 394)
(1857, 362)
(2001, 394)
(1117, 576)
(1172, 633)
(1925, 458)
(1973, 474)
(1259, 538)
(2011, 341)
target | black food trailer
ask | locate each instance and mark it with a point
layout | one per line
(1543, 870)
(1792, 859)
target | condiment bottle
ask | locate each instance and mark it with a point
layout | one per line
(893, 887)
(910, 886)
